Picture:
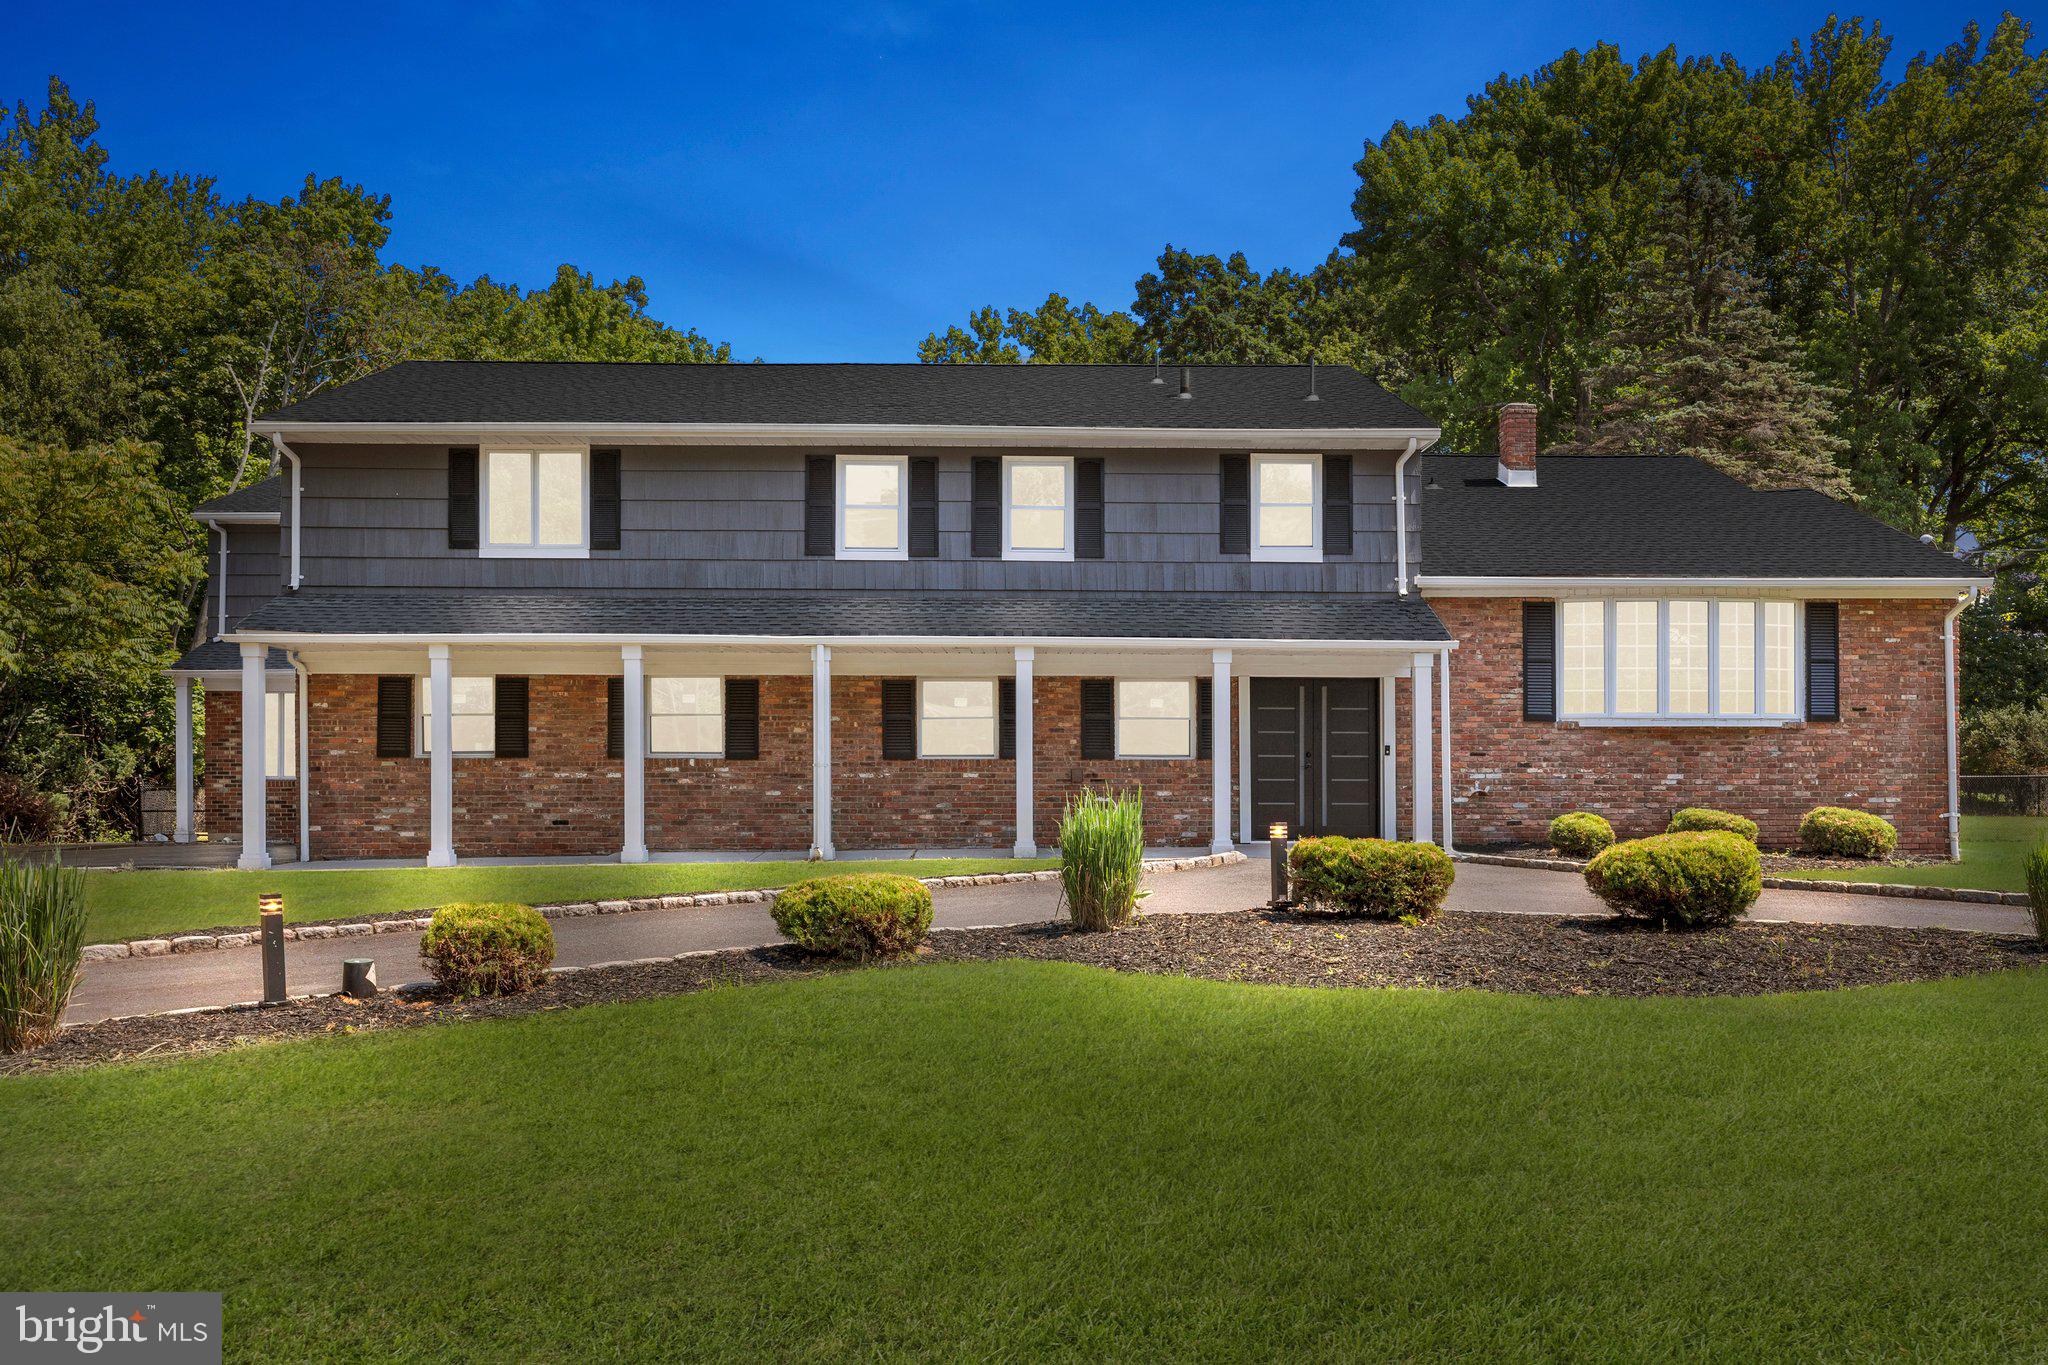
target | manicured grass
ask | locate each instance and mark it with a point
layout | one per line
(1994, 849)
(1028, 1159)
(126, 905)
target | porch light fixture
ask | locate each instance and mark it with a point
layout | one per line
(270, 906)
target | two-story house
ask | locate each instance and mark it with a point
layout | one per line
(502, 609)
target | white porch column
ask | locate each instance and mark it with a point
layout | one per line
(183, 833)
(1027, 841)
(1219, 752)
(1423, 756)
(440, 760)
(821, 751)
(1443, 680)
(255, 837)
(634, 846)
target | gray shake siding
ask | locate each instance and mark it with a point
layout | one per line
(719, 518)
(255, 569)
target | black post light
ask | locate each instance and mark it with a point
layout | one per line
(270, 906)
(1282, 893)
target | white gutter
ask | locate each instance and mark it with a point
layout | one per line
(1436, 585)
(277, 444)
(305, 842)
(1948, 679)
(220, 624)
(1074, 642)
(1401, 519)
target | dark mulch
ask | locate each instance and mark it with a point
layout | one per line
(1774, 862)
(1528, 954)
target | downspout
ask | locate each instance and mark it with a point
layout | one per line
(305, 842)
(277, 444)
(220, 626)
(1443, 678)
(1948, 678)
(1401, 519)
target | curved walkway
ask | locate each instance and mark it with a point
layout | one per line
(147, 985)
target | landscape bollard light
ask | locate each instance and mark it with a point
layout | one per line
(271, 906)
(358, 978)
(1277, 832)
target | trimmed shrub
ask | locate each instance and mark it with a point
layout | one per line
(1378, 878)
(42, 933)
(1580, 834)
(488, 949)
(1102, 857)
(1847, 833)
(1687, 880)
(859, 916)
(2037, 888)
(1694, 818)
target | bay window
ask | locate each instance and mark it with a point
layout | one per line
(1677, 660)
(956, 718)
(536, 503)
(1155, 718)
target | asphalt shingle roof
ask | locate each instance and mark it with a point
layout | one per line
(1623, 516)
(956, 615)
(1273, 397)
(265, 495)
(218, 656)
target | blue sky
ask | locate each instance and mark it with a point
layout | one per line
(829, 182)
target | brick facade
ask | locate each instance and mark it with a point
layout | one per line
(219, 812)
(1888, 754)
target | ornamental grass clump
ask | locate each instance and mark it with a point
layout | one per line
(488, 949)
(859, 917)
(42, 934)
(1694, 818)
(1376, 878)
(1847, 833)
(2037, 888)
(1690, 880)
(1580, 834)
(1102, 857)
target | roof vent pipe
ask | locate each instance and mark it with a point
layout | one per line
(1186, 389)
(1312, 396)
(1157, 377)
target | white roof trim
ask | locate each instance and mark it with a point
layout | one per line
(859, 433)
(239, 518)
(1439, 585)
(421, 638)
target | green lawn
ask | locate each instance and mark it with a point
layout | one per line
(1993, 849)
(125, 905)
(1025, 1159)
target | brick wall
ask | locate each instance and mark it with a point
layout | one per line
(563, 799)
(754, 805)
(362, 806)
(220, 779)
(1888, 753)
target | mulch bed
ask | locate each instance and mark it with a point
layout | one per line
(1772, 862)
(1527, 954)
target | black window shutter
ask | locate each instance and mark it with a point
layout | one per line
(1539, 661)
(1006, 718)
(509, 712)
(1823, 661)
(1098, 718)
(462, 510)
(394, 717)
(1205, 702)
(614, 717)
(899, 718)
(1088, 509)
(604, 499)
(1236, 525)
(818, 505)
(924, 507)
(988, 507)
(742, 717)
(1336, 505)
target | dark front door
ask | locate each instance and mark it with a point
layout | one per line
(1315, 755)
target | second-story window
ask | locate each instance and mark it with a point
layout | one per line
(1286, 511)
(873, 511)
(1038, 507)
(536, 503)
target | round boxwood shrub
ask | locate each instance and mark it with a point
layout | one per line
(1580, 834)
(1706, 817)
(1378, 878)
(858, 917)
(1847, 833)
(488, 949)
(1687, 880)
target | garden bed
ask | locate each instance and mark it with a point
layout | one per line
(1528, 954)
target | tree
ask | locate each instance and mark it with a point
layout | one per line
(1054, 333)
(1698, 365)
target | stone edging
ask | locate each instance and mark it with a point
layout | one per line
(192, 943)
(1895, 890)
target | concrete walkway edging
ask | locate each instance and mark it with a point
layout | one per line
(1900, 890)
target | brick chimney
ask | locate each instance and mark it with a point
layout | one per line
(1518, 445)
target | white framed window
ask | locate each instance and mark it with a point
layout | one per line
(536, 502)
(1038, 507)
(475, 710)
(956, 717)
(280, 735)
(1287, 505)
(1155, 718)
(874, 507)
(1678, 661)
(686, 717)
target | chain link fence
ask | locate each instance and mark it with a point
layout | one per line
(2007, 794)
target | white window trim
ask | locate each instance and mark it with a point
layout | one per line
(421, 692)
(1116, 720)
(1312, 553)
(278, 749)
(995, 724)
(1065, 463)
(485, 548)
(902, 549)
(1755, 718)
(647, 712)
